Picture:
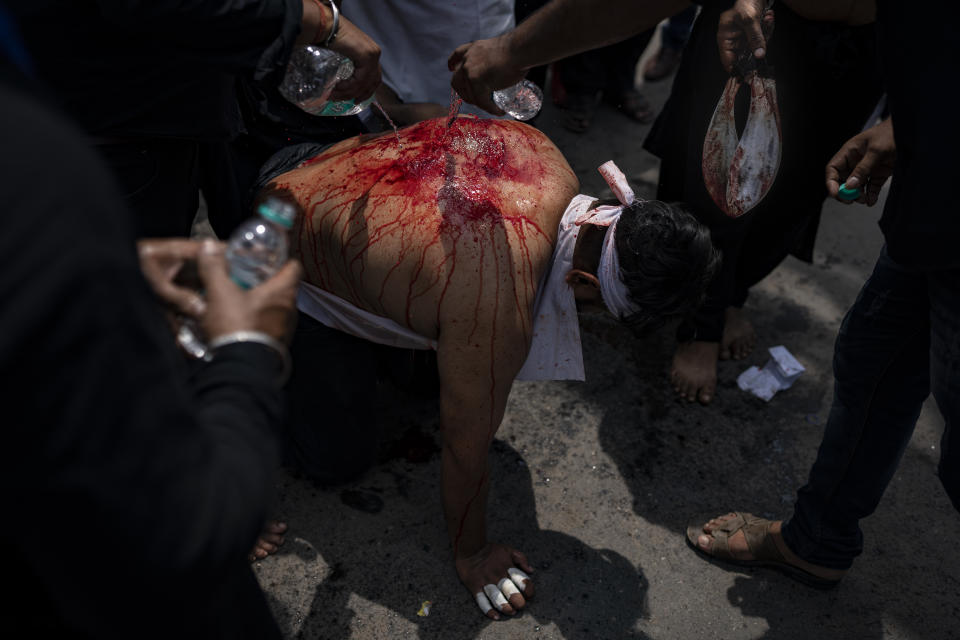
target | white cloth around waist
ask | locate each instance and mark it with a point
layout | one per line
(555, 350)
(337, 313)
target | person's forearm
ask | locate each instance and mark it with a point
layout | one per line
(464, 485)
(316, 23)
(565, 27)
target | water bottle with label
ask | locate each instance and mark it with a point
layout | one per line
(259, 247)
(256, 250)
(312, 73)
(522, 100)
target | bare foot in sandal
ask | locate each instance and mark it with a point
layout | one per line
(694, 371)
(271, 537)
(746, 540)
(739, 336)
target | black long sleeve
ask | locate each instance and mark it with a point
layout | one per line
(132, 496)
(157, 68)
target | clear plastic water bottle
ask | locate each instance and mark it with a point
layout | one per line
(312, 73)
(259, 247)
(522, 100)
(256, 250)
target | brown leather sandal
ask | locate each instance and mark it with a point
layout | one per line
(761, 545)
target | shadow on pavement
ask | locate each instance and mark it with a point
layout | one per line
(382, 538)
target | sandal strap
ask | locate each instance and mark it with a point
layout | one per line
(721, 537)
(759, 541)
(756, 533)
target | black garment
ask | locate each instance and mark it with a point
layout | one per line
(151, 80)
(332, 427)
(156, 68)
(159, 179)
(133, 496)
(920, 58)
(901, 339)
(827, 86)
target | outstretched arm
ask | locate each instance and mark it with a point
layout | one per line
(560, 29)
(477, 364)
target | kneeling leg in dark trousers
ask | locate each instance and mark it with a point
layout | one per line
(332, 431)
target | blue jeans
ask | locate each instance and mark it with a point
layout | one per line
(899, 341)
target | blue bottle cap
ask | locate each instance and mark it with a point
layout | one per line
(846, 193)
(278, 211)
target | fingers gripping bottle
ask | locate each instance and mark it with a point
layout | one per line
(312, 73)
(256, 250)
(259, 247)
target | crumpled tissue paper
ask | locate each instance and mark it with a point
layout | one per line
(780, 372)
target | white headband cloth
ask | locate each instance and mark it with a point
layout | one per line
(614, 293)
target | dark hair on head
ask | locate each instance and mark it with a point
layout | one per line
(666, 261)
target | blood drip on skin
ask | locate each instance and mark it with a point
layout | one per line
(448, 165)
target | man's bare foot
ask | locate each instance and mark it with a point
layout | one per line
(270, 539)
(694, 371)
(739, 337)
(738, 550)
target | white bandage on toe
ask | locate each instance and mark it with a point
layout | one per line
(507, 587)
(496, 597)
(483, 602)
(519, 578)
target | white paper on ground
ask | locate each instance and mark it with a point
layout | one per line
(780, 372)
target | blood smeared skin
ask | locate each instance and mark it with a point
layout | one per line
(441, 194)
(757, 158)
(456, 172)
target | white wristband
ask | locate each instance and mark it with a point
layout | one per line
(261, 338)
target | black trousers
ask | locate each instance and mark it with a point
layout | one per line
(899, 342)
(333, 427)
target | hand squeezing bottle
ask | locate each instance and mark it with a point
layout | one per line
(256, 250)
(312, 73)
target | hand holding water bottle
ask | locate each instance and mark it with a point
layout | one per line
(325, 27)
(267, 308)
(354, 44)
(480, 68)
